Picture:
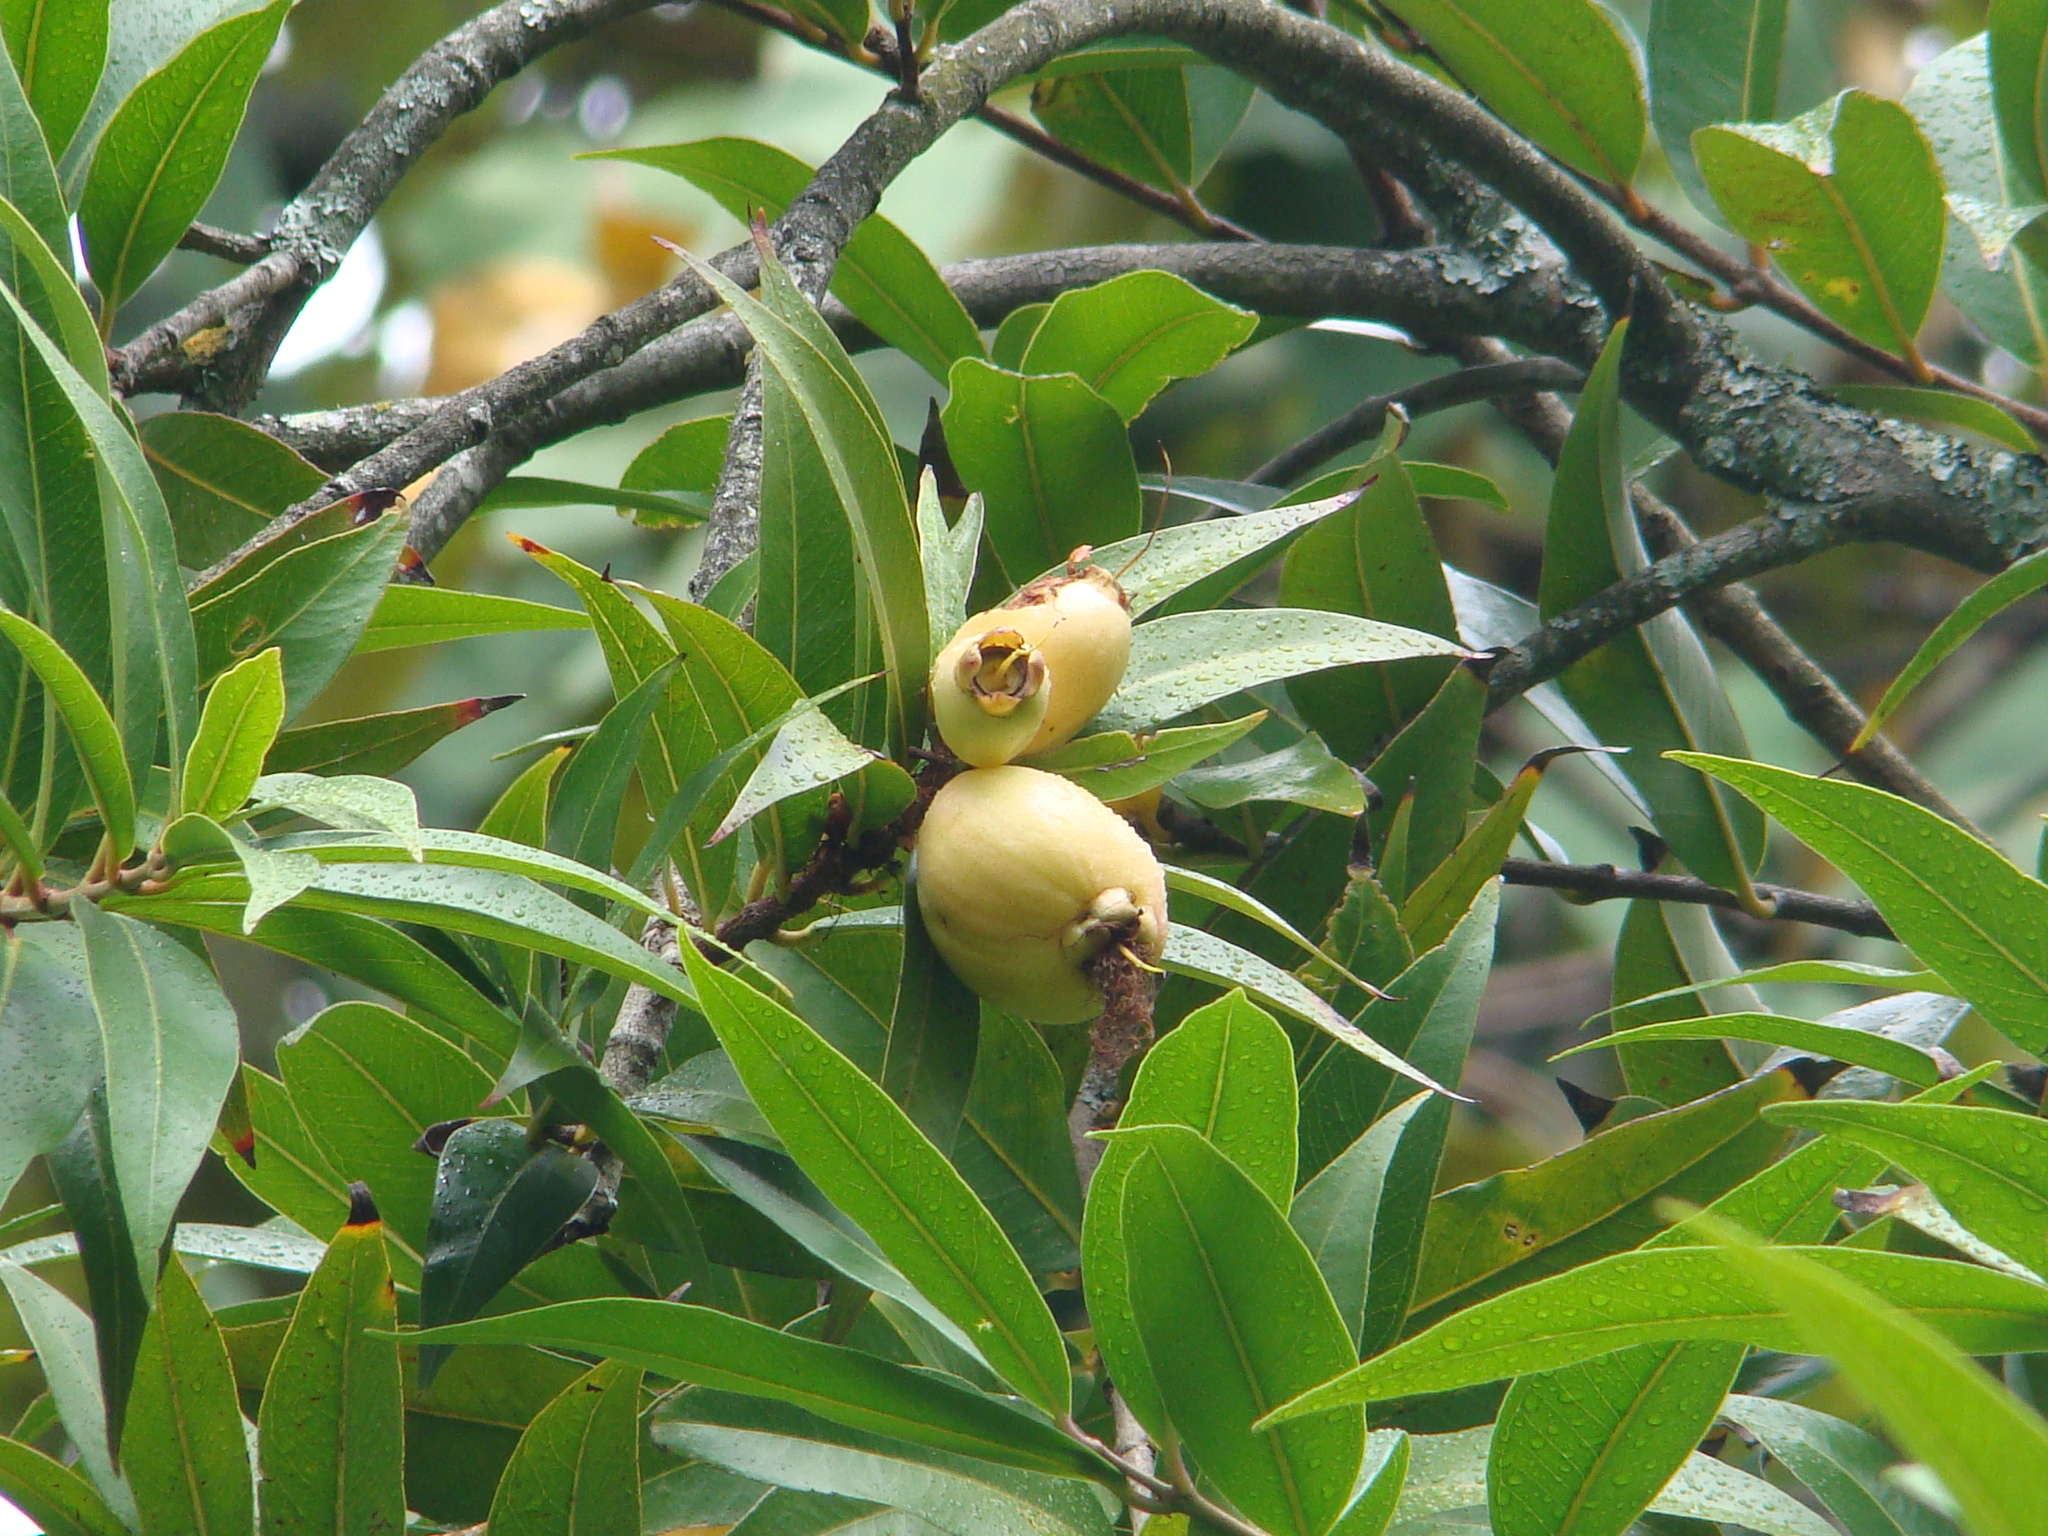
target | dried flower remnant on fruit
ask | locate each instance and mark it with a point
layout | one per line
(1025, 879)
(989, 695)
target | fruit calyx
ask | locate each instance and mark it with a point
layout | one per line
(999, 671)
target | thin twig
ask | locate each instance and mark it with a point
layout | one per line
(1605, 882)
(1364, 421)
(883, 49)
(224, 243)
(317, 227)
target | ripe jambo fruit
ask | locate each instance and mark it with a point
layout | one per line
(1024, 878)
(1074, 628)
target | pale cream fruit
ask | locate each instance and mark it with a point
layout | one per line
(1024, 878)
(989, 694)
(1080, 622)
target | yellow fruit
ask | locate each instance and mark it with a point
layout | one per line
(1023, 879)
(989, 694)
(1081, 624)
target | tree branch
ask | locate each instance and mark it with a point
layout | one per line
(1416, 290)
(225, 244)
(1365, 420)
(1604, 882)
(318, 226)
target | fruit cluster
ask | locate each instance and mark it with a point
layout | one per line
(1025, 879)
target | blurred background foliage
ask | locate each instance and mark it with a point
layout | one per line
(503, 243)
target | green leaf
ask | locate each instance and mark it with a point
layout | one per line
(237, 729)
(2018, 580)
(93, 731)
(83, 1175)
(732, 694)
(1423, 768)
(1374, 558)
(1130, 337)
(1336, 1212)
(61, 1334)
(1165, 126)
(1051, 460)
(1665, 1295)
(183, 1450)
(2017, 37)
(1014, 1149)
(1951, 99)
(1857, 1047)
(774, 1443)
(808, 753)
(332, 1424)
(585, 821)
(1953, 901)
(1595, 1198)
(1221, 893)
(351, 802)
(1941, 406)
(1159, 564)
(223, 480)
(49, 1044)
(1191, 952)
(154, 670)
(412, 615)
(1180, 663)
(1235, 1320)
(1938, 1404)
(366, 1082)
(1306, 773)
(1560, 72)
(1842, 1465)
(1584, 1450)
(162, 151)
(1116, 765)
(500, 1197)
(1443, 896)
(57, 50)
(890, 285)
(1226, 1073)
(1711, 61)
(686, 457)
(1652, 688)
(490, 904)
(312, 603)
(359, 948)
(1989, 1169)
(872, 1162)
(60, 1501)
(517, 491)
(1847, 198)
(846, 425)
(171, 1048)
(1647, 960)
(376, 744)
(948, 555)
(577, 1469)
(778, 1189)
(703, 1347)
(934, 1026)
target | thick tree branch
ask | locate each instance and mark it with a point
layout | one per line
(1416, 290)
(1841, 473)
(1604, 882)
(1736, 617)
(318, 226)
